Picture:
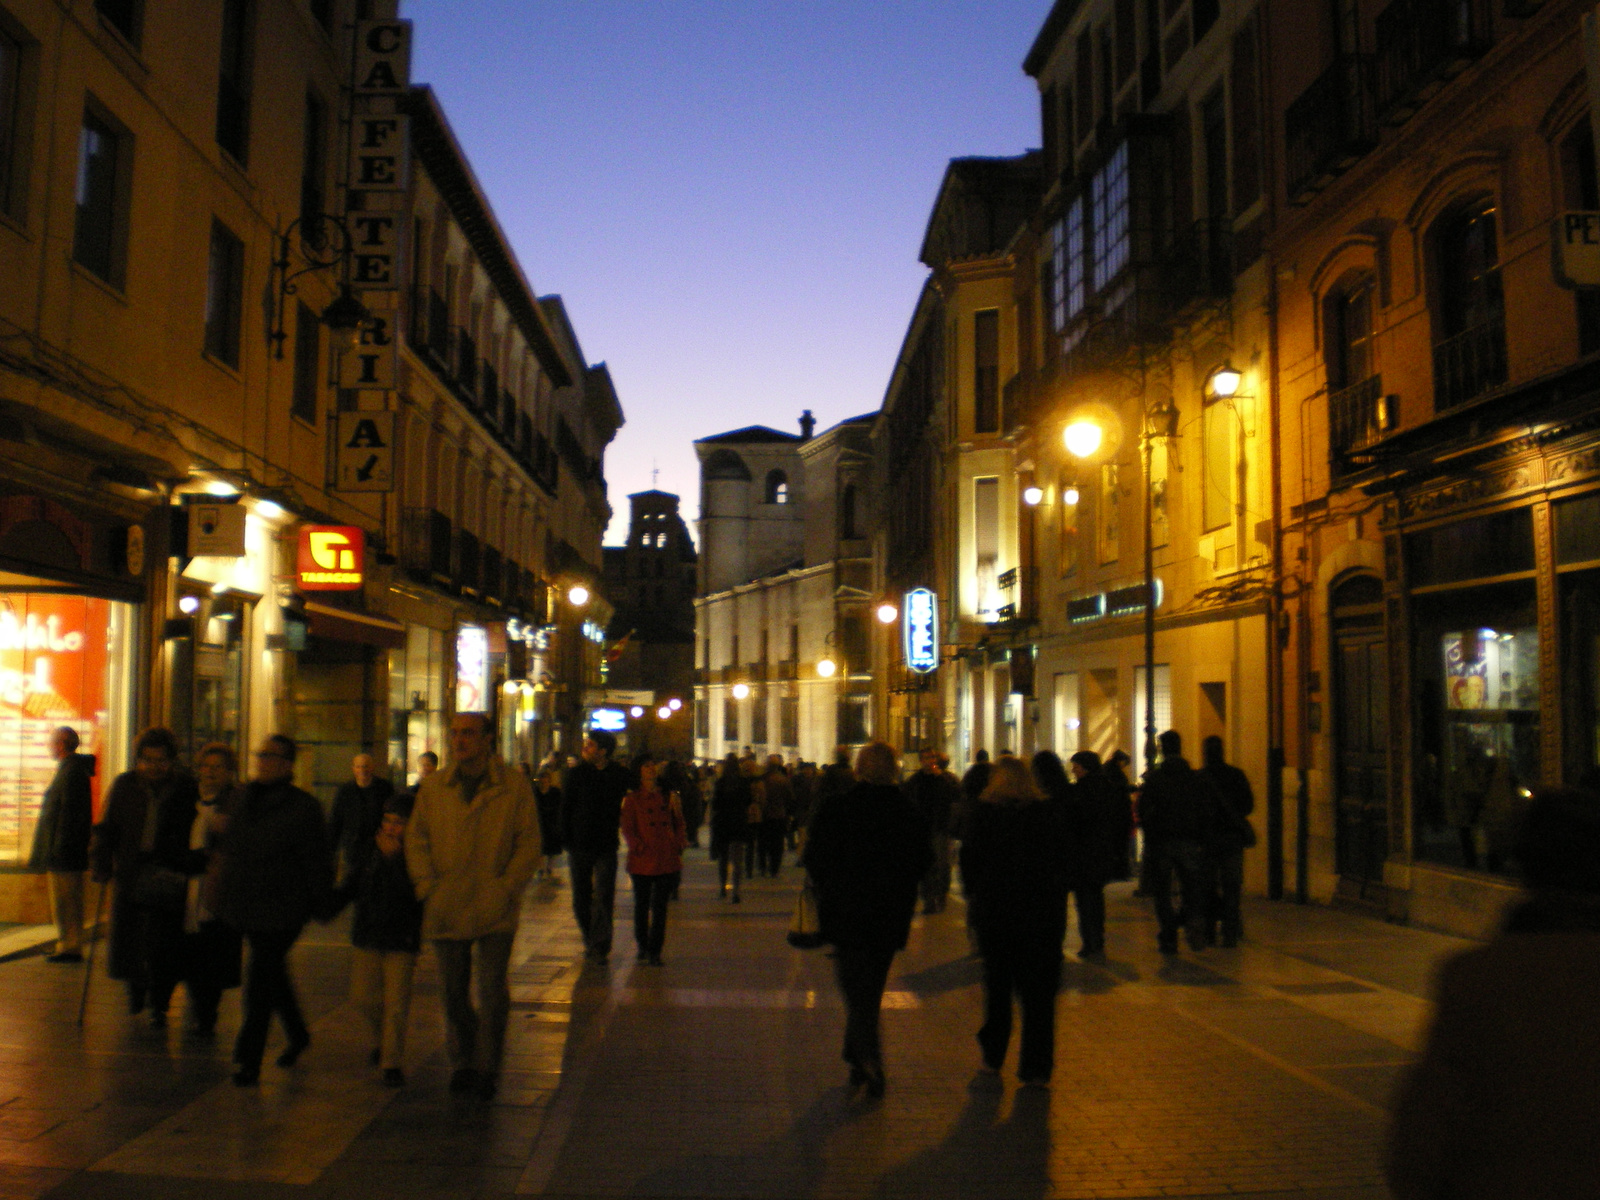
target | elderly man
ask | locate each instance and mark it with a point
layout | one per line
(61, 841)
(357, 812)
(471, 849)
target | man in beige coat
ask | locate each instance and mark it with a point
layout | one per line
(471, 849)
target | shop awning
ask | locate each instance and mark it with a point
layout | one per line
(342, 625)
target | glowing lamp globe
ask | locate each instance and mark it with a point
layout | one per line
(826, 668)
(1083, 438)
(888, 614)
(741, 691)
(578, 596)
(1032, 496)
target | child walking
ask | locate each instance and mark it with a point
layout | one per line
(386, 932)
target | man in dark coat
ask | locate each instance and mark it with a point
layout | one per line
(142, 845)
(1176, 810)
(934, 793)
(277, 873)
(591, 815)
(866, 853)
(356, 814)
(61, 841)
(1091, 826)
(1230, 834)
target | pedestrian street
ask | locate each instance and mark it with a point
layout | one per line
(1260, 1072)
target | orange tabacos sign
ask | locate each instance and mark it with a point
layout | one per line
(332, 558)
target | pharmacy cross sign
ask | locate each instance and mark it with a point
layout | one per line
(921, 624)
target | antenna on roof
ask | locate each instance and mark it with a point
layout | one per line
(655, 473)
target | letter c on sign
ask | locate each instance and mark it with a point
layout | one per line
(385, 39)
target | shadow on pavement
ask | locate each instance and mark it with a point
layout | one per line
(944, 977)
(982, 1155)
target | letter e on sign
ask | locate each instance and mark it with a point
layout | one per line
(332, 558)
(1575, 243)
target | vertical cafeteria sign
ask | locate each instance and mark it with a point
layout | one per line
(379, 174)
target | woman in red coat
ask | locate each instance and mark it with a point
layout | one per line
(652, 825)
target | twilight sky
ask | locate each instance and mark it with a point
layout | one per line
(729, 195)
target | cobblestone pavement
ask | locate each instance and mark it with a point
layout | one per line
(1260, 1072)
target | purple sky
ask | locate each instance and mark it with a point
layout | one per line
(728, 194)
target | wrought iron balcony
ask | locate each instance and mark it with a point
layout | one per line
(1329, 126)
(1469, 364)
(1421, 44)
(1357, 417)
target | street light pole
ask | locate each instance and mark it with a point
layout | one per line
(1149, 598)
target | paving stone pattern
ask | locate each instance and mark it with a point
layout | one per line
(1262, 1072)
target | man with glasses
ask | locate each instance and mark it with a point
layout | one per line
(471, 848)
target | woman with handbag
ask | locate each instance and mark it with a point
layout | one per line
(652, 825)
(141, 846)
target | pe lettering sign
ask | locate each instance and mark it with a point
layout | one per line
(332, 558)
(921, 624)
(1575, 241)
(365, 458)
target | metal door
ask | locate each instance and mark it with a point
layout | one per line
(1361, 734)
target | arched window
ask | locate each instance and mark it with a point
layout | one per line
(847, 512)
(1469, 349)
(1357, 413)
(725, 464)
(777, 487)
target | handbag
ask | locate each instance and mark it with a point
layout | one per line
(805, 931)
(156, 886)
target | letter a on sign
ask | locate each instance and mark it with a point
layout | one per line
(365, 452)
(383, 56)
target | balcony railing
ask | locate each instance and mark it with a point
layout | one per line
(1329, 126)
(1421, 44)
(1469, 364)
(1357, 417)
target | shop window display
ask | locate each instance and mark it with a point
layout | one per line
(1479, 719)
(63, 661)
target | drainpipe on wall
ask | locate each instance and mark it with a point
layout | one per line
(1275, 612)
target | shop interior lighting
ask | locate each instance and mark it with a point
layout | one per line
(674, 704)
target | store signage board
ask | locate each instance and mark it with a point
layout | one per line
(612, 720)
(383, 56)
(332, 558)
(374, 250)
(921, 626)
(216, 531)
(1575, 241)
(472, 669)
(364, 459)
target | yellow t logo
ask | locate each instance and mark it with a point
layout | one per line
(328, 552)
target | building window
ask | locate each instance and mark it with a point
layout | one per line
(307, 360)
(777, 488)
(855, 726)
(1469, 352)
(1109, 515)
(853, 642)
(1110, 200)
(702, 717)
(758, 717)
(986, 544)
(233, 80)
(125, 16)
(224, 294)
(313, 165)
(10, 116)
(789, 721)
(1219, 435)
(847, 512)
(730, 719)
(986, 371)
(97, 241)
(1348, 333)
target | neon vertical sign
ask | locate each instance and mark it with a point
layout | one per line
(921, 624)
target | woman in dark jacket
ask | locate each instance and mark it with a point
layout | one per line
(730, 824)
(1115, 772)
(866, 852)
(1087, 808)
(1013, 860)
(547, 795)
(277, 873)
(142, 845)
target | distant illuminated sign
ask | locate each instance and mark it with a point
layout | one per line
(332, 558)
(921, 625)
(612, 720)
(472, 669)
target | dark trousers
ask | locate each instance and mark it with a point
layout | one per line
(267, 990)
(936, 883)
(863, 972)
(1091, 902)
(771, 848)
(1033, 975)
(157, 965)
(1227, 873)
(650, 896)
(1187, 862)
(476, 1035)
(594, 896)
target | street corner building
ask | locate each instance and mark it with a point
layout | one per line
(288, 442)
(1256, 402)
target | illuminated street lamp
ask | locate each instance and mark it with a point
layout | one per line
(826, 667)
(741, 691)
(888, 614)
(664, 712)
(1032, 496)
(1083, 437)
(1225, 382)
(1069, 495)
(636, 712)
(578, 595)
(674, 704)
